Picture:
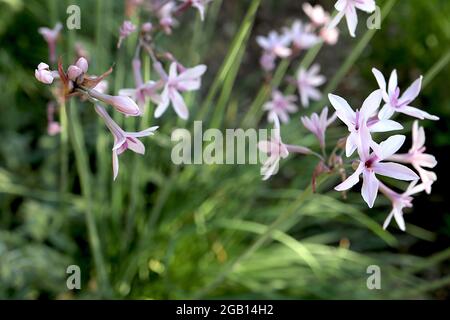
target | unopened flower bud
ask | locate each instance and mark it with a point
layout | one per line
(122, 104)
(73, 72)
(82, 64)
(43, 73)
(147, 27)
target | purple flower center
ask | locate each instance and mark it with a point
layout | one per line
(370, 162)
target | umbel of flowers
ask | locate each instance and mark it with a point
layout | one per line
(166, 90)
(369, 157)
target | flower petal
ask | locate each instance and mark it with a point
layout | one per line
(385, 126)
(343, 109)
(351, 144)
(386, 112)
(351, 180)
(115, 163)
(162, 106)
(412, 92)
(192, 73)
(391, 145)
(381, 82)
(371, 104)
(369, 189)
(392, 82)
(352, 19)
(135, 145)
(417, 113)
(395, 170)
(178, 104)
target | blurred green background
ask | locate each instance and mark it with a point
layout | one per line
(165, 231)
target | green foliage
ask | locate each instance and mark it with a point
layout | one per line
(197, 231)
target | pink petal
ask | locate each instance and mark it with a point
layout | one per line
(398, 216)
(178, 104)
(366, 5)
(352, 19)
(162, 106)
(173, 70)
(391, 145)
(336, 19)
(381, 83)
(115, 163)
(395, 170)
(412, 92)
(418, 136)
(369, 189)
(351, 180)
(392, 82)
(371, 104)
(351, 144)
(385, 126)
(343, 109)
(386, 112)
(135, 145)
(417, 113)
(192, 73)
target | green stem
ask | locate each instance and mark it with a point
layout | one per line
(64, 154)
(81, 157)
(436, 68)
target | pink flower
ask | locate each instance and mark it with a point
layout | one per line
(307, 81)
(51, 36)
(275, 44)
(355, 120)
(276, 150)
(400, 201)
(165, 14)
(122, 104)
(53, 127)
(78, 69)
(147, 27)
(187, 80)
(125, 30)
(417, 157)
(123, 140)
(199, 5)
(267, 61)
(329, 35)
(43, 73)
(301, 37)
(280, 106)
(318, 124)
(371, 164)
(348, 8)
(396, 103)
(139, 94)
(316, 14)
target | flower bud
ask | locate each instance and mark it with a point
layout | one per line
(122, 104)
(73, 72)
(43, 74)
(82, 64)
(147, 27)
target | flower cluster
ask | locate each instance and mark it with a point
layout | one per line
(373, 159)
(348, 8)
(298, 37)
(164, 91)
(369, 158)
